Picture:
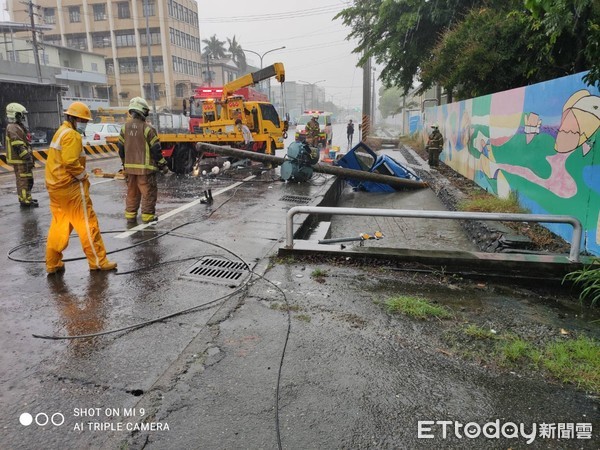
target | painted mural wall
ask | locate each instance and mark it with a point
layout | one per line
(541, 142)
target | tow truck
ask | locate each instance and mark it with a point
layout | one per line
(212, 121)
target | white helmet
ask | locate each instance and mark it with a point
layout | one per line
(140, 105)
(15, 112)
(435, 125)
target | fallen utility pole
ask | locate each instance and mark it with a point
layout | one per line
(321, 168)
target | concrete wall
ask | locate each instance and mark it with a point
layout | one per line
(540, 141)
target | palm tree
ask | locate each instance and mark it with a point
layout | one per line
(237, 52)
(214, 47)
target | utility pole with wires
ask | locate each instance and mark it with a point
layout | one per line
(365, 126)
(36, 54)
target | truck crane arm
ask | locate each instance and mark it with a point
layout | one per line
(276, 70)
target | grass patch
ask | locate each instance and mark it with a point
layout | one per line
(574, 361)
(284, 307)
(303, 317)
(491, 203)
(515, 349)
(319, 273)
(416, 307)
(588, 279)
(477, 332)
(283, 260)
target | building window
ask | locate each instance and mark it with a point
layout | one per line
(102, 92)
(149, 8)
(148, 91)
(154, 36)
(125, 38)
(99, 11)
(77, 41)
(128, 65)
(101, 40)
(49, 16)
(53, 39)
(95, 67)
(110, 67)
(123, 10)
(157, 64)
(181, 90)
(74, 14)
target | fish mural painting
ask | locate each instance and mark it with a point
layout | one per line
(579, 123)
(541, 142)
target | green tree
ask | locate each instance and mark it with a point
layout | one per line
(237, 52)
(401, 34)
(214, 47)
(572, 29)
(488, 51)
(476, 46)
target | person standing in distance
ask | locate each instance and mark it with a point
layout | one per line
(434, 146)
(18, 153)
(141, 154)
(246, 133)
(350, 133)
(69, 190)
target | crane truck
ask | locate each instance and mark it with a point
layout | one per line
(217, 118)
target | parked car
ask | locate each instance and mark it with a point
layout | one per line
(96, 133)
(38, 137)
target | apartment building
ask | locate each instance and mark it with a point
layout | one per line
(121, 30)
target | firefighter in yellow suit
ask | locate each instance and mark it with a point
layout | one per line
(69, 190)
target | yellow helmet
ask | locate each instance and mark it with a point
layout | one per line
(140, 105)
(15, 111)
(79, 110)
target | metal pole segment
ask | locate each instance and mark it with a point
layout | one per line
(321, 168)
(498, 217)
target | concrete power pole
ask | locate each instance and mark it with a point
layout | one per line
(36, 54)
(366, 103)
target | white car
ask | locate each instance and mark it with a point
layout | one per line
(96, 133)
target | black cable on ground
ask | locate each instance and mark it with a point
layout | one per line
(172, 232)
(141, 324)
(287, 337)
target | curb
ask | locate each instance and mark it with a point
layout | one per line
(40, 156)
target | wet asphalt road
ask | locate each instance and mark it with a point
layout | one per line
(283, 359)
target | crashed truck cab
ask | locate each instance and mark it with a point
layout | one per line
(361, 157)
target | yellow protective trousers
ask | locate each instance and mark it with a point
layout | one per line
(71, 208)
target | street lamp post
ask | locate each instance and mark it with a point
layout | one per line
(312, 93)
(261, 56)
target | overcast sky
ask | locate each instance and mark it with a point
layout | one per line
(316, 48)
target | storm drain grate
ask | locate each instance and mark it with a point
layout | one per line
(296, 199)
(217, 270)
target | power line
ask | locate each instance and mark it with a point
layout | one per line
(274, 16)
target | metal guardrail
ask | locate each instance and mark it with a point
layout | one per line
(498, 217)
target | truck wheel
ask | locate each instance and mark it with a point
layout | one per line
(184, 157)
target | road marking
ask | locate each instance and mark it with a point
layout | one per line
(102, 181)
(180, 209)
